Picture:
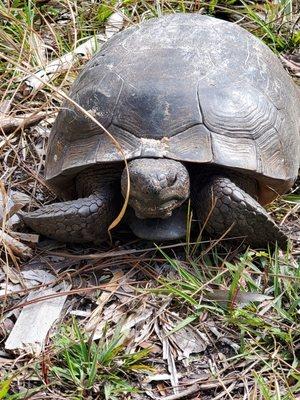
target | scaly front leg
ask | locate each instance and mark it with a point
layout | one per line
(225, 206)
(82, 220)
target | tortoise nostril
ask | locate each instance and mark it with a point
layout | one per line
(172, 179)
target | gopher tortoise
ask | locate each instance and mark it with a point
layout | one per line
(202, 109)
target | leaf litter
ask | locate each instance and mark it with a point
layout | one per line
(194, 351)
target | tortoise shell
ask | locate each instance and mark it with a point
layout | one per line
(186, 87)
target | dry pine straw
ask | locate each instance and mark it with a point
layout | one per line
(214, 357)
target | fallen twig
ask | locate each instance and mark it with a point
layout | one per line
(184, 393)
(18, 248)
(294, 67)
(10, 124)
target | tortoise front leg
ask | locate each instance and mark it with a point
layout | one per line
(223, 205)
(75, 221)
(85, 219)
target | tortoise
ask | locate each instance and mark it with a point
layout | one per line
(203, 111)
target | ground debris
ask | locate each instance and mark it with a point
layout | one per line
(292, 63)
(36, 319)
(85, 50)
(15, 246)
(10, 124)
(207, 340)
(188, 340)
(58, 66)
(10, 203)
(114, 24)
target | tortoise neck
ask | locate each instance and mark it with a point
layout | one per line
(95, 178)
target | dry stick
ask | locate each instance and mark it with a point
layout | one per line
(187, 392)
(104, 288)
(13, 124)
(292, 211)
(17, 247)
(203, 386)
(294, 67)
(99, 256)
(74, 24)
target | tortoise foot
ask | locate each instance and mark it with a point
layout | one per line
(224, 207)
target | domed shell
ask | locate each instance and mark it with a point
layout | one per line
(187, 87)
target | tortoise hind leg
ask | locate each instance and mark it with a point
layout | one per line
(226, 206)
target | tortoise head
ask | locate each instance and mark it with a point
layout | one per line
(157, 186)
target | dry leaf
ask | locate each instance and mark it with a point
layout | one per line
(96, 316)
(189, 341)
(240, 299)
(35, 321)
(167, 355)
(114, 24)
(15, 246)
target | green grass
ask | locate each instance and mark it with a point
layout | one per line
(251, 298)
(79, 366)
(92, 367)
(271, 27)
(256, 296)
(292, 198)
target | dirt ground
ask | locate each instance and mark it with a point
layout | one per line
(128, 319)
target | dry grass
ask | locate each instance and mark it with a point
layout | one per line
(200, 321)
